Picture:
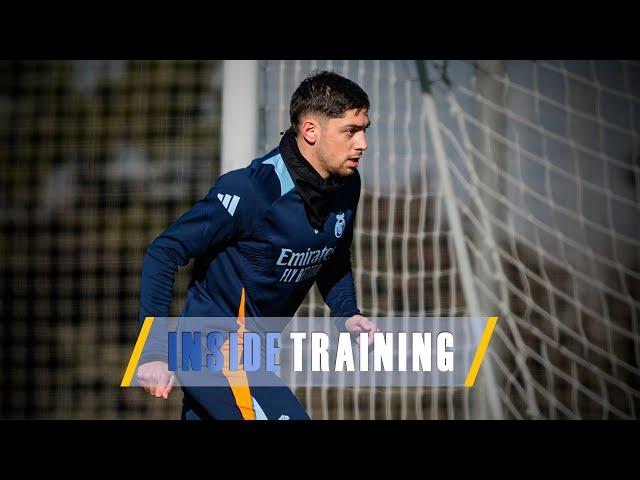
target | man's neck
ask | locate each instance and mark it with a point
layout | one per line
(310, 155)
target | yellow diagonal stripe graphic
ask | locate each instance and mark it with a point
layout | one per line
(137, 350)
(482, 349)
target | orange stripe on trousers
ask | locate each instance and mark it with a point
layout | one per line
(238, 378)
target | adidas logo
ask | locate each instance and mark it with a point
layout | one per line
(229, 202)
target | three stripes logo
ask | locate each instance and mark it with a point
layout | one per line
(229, 202)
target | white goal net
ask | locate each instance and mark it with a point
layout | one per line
(507, 188)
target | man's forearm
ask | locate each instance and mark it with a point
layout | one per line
(156, 289)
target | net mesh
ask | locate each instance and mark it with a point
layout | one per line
(543, 166)
(97, 158)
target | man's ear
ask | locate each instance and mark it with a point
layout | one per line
(310, 130)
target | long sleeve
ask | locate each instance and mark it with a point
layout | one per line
(335, 282)
(213, 220)
(335, 279)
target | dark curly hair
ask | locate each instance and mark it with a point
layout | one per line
(326, 93)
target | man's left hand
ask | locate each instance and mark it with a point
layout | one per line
(358, 324)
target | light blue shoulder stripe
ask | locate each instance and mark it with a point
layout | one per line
(286, 183)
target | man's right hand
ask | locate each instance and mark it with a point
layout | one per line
(156, 378)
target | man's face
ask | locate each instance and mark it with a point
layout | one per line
(342, 142)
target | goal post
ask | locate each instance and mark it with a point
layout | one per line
(486, 404)
(239, 113)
